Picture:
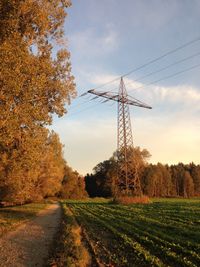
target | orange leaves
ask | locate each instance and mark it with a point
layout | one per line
(33, 87)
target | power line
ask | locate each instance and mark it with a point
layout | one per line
(162, 56)
(162, 69)
(164, 78)
(167, 67)
(114, 80)
(80, 104)
(148, 75)
(150, 62)
(170, 76)
(82, 110)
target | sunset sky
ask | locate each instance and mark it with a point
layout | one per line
(107, 39)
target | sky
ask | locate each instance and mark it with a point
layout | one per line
(109, 38)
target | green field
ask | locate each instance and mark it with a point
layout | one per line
(163, 233)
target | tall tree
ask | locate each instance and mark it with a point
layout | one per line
(34, 85)
(195, 174)
(52, 167)
(73, 185)
(188, 185)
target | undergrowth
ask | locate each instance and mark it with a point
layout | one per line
(69, 249)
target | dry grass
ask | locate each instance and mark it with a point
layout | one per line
(69, 249)
(126, 200)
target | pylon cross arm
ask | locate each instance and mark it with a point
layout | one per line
(118, 98)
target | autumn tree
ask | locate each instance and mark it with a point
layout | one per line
(73, 185)
(102, 182)
(188, 185)
(34, 85)
(175, 180)
(149, 181)
(195, 174)
(154, 181)
(52, 168)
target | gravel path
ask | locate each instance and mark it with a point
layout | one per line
(29, 244)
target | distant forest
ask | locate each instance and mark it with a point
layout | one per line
(157, 180)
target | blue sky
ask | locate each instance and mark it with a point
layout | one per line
(108, 38)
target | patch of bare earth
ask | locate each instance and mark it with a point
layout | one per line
(29, 244)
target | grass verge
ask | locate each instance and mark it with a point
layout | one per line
(69, 249)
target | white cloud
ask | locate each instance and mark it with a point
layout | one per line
(186, 95)
(102, 79)
(177, 94)
(89, 43)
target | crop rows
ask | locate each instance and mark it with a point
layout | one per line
(157, 234)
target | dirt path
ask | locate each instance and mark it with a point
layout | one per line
(29, 244)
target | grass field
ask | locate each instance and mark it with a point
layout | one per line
(13, 216)
(163, 233)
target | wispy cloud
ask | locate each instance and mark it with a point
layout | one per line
(93, 44)
(183, 95)
(99, 80)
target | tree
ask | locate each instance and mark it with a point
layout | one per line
(73, 185)
(52, 167)
(34, 85)
(130, 170)
(164, 181)
(188, 185)
(99, 184)
(195, 174)
(91, 185)
(148, 181)
(175, 180)
(102, 182)
(20, 166)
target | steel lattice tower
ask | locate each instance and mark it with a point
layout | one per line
(127, 182)
(126, 179)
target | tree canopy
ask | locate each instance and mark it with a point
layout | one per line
(35, 84)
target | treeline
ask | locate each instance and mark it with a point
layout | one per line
(181, 180)
(35, 84)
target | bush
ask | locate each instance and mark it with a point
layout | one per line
(126, 200)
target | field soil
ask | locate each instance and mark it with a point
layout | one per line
(30, 243)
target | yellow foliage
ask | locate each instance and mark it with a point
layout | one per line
(33, 87)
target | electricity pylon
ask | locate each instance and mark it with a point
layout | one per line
(127, 182)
